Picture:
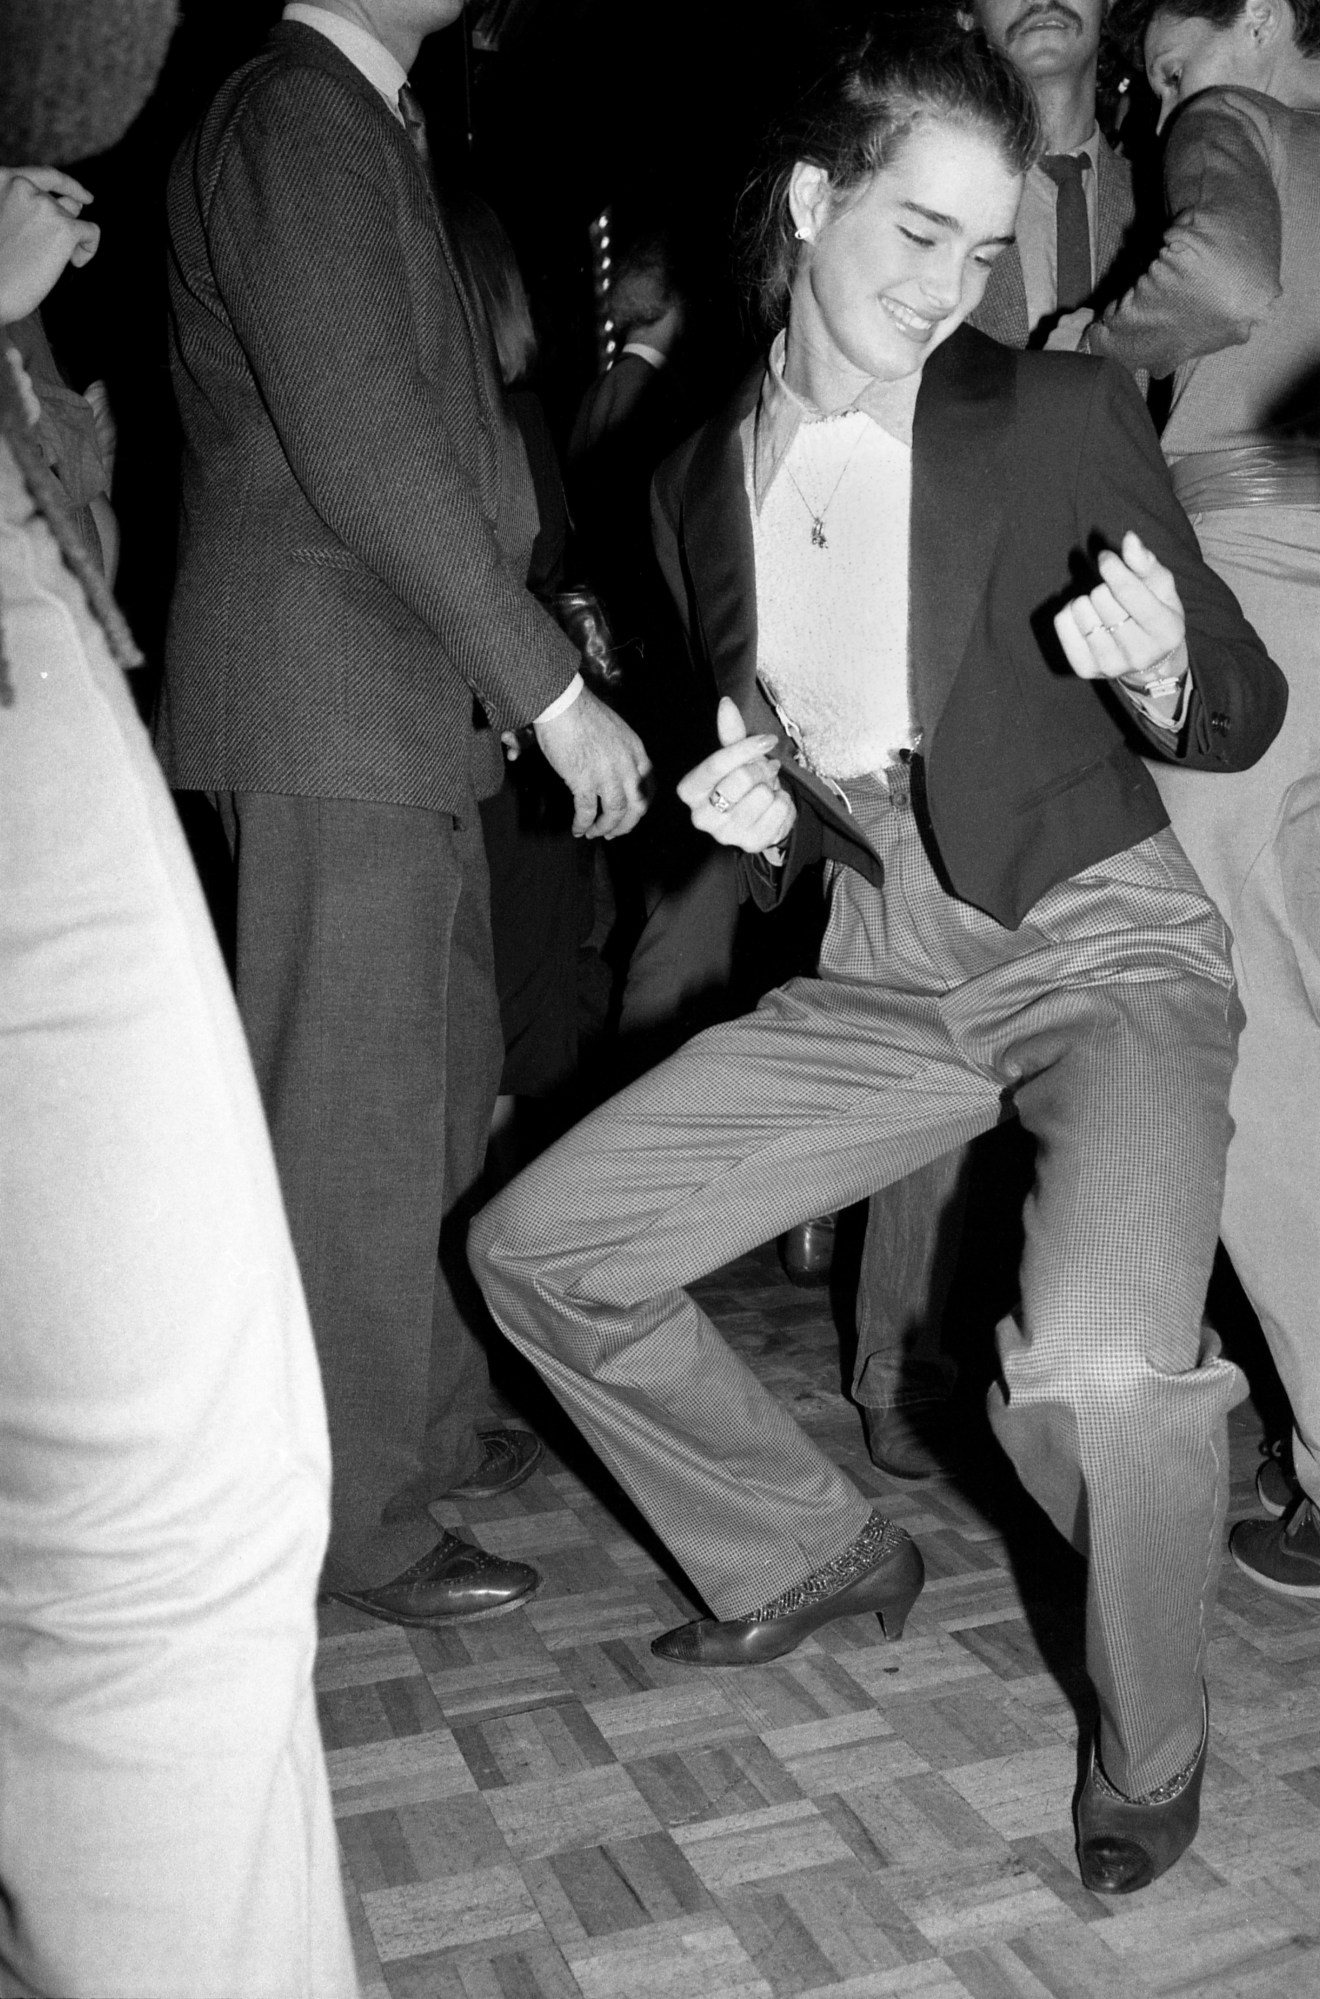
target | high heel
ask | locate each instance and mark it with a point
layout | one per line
(881, 1574)
(1124, 1845)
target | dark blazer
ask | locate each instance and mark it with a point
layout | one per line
(1002, 312)
(1023, 464)
(342, 593)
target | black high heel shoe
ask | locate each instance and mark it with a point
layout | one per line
(882, 1573)
(1123, 1846)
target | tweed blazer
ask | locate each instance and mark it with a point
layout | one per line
(341, 594)
(1002, 312)
(1024, 464)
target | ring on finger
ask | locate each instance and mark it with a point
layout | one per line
(719, 801)
(1126, 619)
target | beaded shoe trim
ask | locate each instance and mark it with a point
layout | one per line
(1163, 1794)
(877, 1539)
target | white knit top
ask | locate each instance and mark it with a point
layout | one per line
(832, 620)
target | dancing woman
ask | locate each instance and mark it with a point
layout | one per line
(1232, 305)
(877, 548)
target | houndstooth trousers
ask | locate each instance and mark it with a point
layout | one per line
(1110, 1020)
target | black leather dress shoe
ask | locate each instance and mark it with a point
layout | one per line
(507, 1458)
(880, 1575)
(1124, 1845)
(899, 1441)
(454, 1580)
(807, 1252)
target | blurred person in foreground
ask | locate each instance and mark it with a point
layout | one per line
(1231, 308)
(877, 547)
(164, 1465)
(349, 636)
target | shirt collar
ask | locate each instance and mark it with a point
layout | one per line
(781, 412)
(1089, 149)
(655, 355)
(367, 55)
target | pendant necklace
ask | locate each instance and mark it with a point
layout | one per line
(818, 537)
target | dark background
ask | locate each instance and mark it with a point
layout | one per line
(656, 111)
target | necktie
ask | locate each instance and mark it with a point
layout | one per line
(1073, 227)
(414, 124)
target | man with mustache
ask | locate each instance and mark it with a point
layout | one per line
(1076, 245)
(1077, 209)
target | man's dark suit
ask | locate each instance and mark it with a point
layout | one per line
(1095, 989)
(344, 592)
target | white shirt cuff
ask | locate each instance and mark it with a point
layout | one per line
(562, 702)
(1173, 723)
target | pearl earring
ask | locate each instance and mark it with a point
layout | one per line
(801, 235)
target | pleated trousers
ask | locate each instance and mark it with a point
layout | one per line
(165, 1826)
(1254, 839)
(1110, 1019)
(365, 976)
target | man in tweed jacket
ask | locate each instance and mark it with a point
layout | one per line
(348, 600)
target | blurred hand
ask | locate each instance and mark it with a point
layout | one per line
(1131, 626)
(41, 231)
(1066, 336)
(735, 794)
(603, 764)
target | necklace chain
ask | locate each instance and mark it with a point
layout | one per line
(818, 537)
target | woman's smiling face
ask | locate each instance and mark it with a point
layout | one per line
(891, 269)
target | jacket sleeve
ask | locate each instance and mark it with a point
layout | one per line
(1238, 694)
(1218, 270)
(300, 210)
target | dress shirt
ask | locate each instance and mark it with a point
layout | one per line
(374, 61)
(832, 618)
(1038, 232)
(362, 48)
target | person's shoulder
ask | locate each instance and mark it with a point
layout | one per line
(1227, 106)
(299, 82)
(1065, 389)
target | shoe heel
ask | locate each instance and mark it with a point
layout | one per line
(893, 1615)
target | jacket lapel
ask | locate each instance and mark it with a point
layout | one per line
(960, 482)
(1113, 209)
(716, 532)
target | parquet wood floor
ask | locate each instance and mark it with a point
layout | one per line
(533, 1807)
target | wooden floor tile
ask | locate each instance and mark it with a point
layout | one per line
(536, 1807)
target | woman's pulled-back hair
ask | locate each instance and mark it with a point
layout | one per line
(857, 119)
(1131, 18)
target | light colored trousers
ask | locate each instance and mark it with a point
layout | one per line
(1109, 1017)
(1253, 836)
(165, 1828)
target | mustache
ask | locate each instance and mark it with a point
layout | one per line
(1052, 10)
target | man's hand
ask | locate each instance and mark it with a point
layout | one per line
(1068, 332)
(41, 231)
(603, 764)
(735, 794)
(1131, 627)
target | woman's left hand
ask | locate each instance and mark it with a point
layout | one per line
(1131, 627)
